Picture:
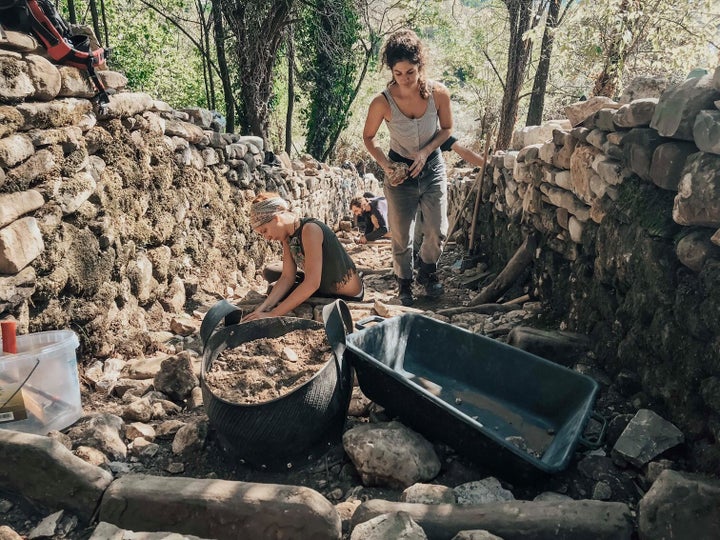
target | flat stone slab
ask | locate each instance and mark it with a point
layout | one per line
(48, 474)
(516, 520)
(219, 509)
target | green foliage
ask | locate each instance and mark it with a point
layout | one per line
(329, 32)
(150, 51)
(648, 206)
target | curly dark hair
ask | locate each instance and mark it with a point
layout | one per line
(406, 45)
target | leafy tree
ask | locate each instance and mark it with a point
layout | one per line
(605, 43)
(258, 27)
(520, 19)
(330, 30)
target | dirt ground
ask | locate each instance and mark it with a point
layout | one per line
(268, 368)
(325, 468)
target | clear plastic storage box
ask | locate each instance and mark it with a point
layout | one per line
(39, 385)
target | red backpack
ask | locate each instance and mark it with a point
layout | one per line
(42, 20)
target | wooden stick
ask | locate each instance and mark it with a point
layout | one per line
(477, 197)
(487, 309)
(515, 266)
(519, 300)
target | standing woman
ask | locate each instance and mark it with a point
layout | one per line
(314, 261)
(418, 116)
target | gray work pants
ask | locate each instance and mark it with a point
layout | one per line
(428, 193)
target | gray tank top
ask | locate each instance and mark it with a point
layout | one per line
(408, 135)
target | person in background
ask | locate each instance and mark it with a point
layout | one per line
(314, 262)
(418, 116)
(374, 212)
(473, 158)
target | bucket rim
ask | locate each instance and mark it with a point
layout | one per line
(63, 338)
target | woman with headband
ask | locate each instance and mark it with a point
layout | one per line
(314, 262)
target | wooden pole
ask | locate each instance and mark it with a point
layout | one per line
(477, 185)
(477, 197)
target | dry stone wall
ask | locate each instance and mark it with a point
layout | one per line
(625, 199)
(110, 219)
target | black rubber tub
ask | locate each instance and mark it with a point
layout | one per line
(285, 429)
(515, 414)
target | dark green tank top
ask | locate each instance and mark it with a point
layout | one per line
(337, 266)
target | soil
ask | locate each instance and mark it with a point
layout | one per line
(325, 468)
(268, 368)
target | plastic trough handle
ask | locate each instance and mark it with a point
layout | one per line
(213, 317)
(598, 441)
(360, 325)
(338, 322)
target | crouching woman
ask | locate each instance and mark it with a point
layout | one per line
(314, 262)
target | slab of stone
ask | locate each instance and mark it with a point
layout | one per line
(680, 505)
(390, 454)
(557, 346)
(698, 198)
(610, 171)
(638, 148)
(581, 110)
(128, 104)
(678, 107)
(108, 531)
(14, 205)
(706, 131)
(597, 138)
(428, 494)
(219, 509)
(638, 113)
(668, 162)
(20, 243)
(395, 525)
(56, 113)
(481, 492)
(14, 149)
(475, 535)
(519, 520)
(45, 472)
(604, 119)
(644, 87)
(695, 248)
(646, 436)
(44, 76)
(6, 533)
(15, 84)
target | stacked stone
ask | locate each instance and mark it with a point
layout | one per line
(564, 176)
(110, 218)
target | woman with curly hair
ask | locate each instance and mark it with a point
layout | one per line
(419, 119)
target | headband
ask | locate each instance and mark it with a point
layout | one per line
(263, 211)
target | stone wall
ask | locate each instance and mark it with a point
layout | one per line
(110, 220)
(625, 200)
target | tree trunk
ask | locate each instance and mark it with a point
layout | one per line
(291, 93)
(95, 19)
(537, 98)
(505, 279)
(219, 33)
(106, 41)
(519, 12)
(258, 26)
(72, 17)
(607, 82)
